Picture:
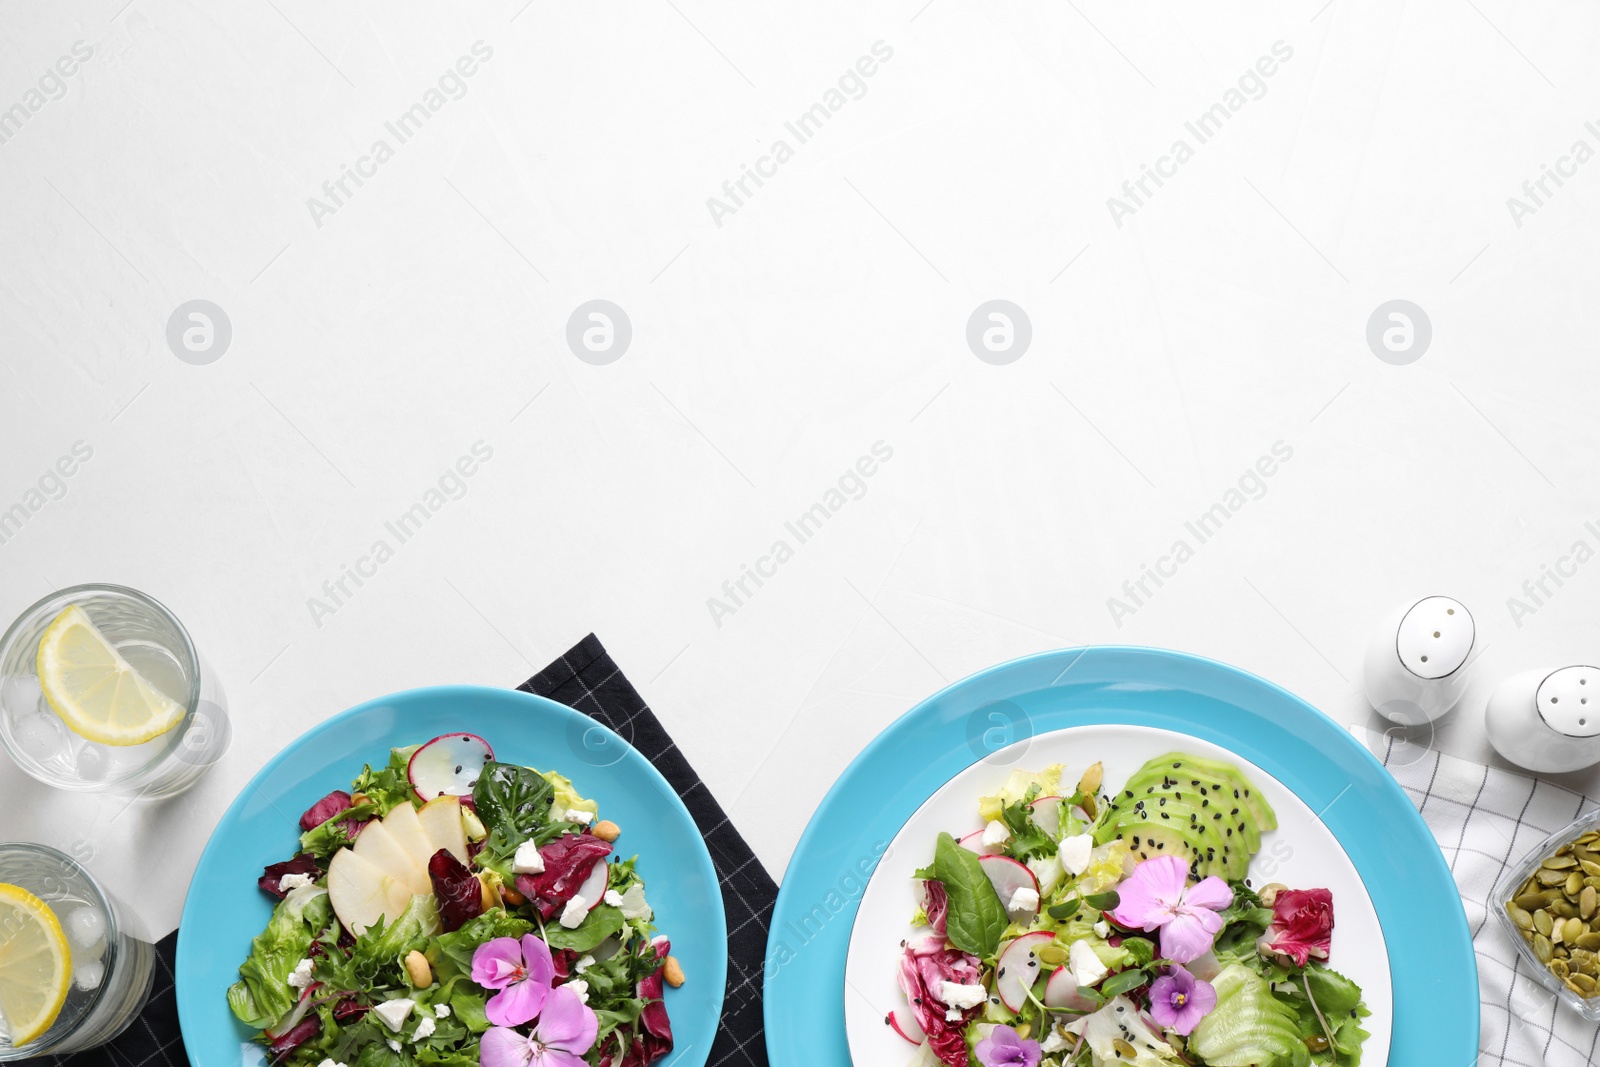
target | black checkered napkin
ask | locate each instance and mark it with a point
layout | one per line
(586, 679)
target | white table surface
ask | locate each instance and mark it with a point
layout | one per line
(770, 352)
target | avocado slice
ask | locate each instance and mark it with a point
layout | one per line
(1197, 771)
(1213, 806)
(1150, 829)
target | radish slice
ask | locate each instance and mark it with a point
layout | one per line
(1062, 992)
(1047, 815)
(1007, 876)
(449, 765)
(904, 1022)
(973, 842)
(593, 888)
(1018, 968)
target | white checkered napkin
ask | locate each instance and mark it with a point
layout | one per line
(1485, 820)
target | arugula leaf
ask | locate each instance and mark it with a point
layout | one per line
(451, 954)
(977, 918)
(601, 923)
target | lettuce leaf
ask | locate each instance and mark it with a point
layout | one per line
(263, 995)
(390, 786)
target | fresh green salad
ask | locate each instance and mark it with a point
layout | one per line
(454, 910)
(1089, 929)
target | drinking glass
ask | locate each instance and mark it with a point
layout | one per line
(113, 962)
(157, 646)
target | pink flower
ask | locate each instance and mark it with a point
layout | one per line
(566, 1030)
(522, 972)
(1158, 896)
(1004, 1048)
(1302, 926)
(1179, 1000)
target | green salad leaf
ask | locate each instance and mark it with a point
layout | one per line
(263, 995)
(601, 923)
(328, 837)
(390, 786)
(977, 918)
(513, 803)
(1249, 1027)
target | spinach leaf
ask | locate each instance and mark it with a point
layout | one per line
(513, 802)
(601, 923)
(977, 917)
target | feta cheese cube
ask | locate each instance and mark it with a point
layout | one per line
(300, 977)
(329, 1062)
(441, 1011)
(394, 1012)
(583, 964)
(527, 859)
(580, 987)
(961, 996)
(1053, 1042)
(1024, 899)
(393, 1044)
(582, 818)
(575, 912)
(996, 833)
(1102, 929)
(425, 1028)
(1087, 970)
(613, 898)
(290, 882)
(1074, 853)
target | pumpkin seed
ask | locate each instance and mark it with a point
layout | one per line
(1558, 933)
(1551, 877)
(1054, 955)
(1543, 949)
(1590, 867)
(1124, 1050)
(1593, 881)
(1573, 930)
(1317, 1043)
(1589, 941)
(1583, 983)
(1564, 909)
(1520, 916)
(1541, 922)
(1560, 863)
(1588, 901)
(1559, 969)
(1589, 966)
(1530, 902)
(1089, 784)
(1574, 885)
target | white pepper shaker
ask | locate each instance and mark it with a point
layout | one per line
(1547, 721)
(1416, 664)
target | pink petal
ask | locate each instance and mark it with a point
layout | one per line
(554, 1057)
(516, 1004)
(494, 961)
(536, 957)
(567, 1023)
(1155, 887)
(1212, 893)
(504, 1048)
(1190, 934)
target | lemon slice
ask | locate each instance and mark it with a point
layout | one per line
(97, 692)
(35, 964)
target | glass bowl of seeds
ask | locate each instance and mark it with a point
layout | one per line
(1550, 905)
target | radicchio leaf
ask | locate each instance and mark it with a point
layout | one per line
(325, 809)
(296, 1036)
(568, 860)
(459, 892)
(272, 875)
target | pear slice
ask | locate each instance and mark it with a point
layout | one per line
(378, 846)
(361, 892)
(441, 820)
(407, 831)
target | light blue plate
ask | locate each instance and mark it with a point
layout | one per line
(225, 909)
(1430, 949)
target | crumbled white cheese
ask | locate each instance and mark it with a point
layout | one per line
(394, 1012)
(1053, 1042)
(583, 964)
(441, 1011)
(329, 1062)
(300, 977)
(996, 833)
(1102, 930)
(953, 1015)
(961, 996)
(527, 859)
(613, 898)
(575, 912)
(1074, 853)
(294, 881)
(1024, 899)
(424, 1030)
(580, 987)
(582, 818)
(393, 1044)
(1087, 970)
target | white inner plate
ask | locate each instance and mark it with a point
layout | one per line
(1302, 854)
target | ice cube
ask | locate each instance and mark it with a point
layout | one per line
(42, 736)
(85, 926)
(88, 976)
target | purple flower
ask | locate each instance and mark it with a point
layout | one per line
(1158, 896)
(1179, 1000)
(1003, 1048)
(566, 1030)
(522, 972)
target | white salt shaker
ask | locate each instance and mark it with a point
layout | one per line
(1416, 664)
(1548, 721)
